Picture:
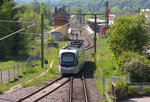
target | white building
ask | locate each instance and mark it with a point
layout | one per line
(147, 14)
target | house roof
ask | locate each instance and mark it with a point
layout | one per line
(60, 13)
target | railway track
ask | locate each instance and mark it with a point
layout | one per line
(89, 40)
(44, 91)
(86, 36)
(72, 97)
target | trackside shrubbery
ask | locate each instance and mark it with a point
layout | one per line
(120, 86)
(31, 70)
(147, 90)
(132, 90)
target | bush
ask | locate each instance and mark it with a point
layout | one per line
(1, 92)
(139, 70)
(65, 38)
(147, 90)
(132, 90)
(125, 58)
(138, 66)
(120, 86)
(31, 70)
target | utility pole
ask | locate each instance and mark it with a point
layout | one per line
(1, 2)
(95, 34)
(106, 15)
(42, 38)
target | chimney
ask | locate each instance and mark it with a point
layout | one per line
(55, 9)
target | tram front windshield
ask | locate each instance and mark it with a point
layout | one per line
(67, 59)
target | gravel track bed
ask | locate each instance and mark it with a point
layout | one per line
(14, 96)
(60, 95)
(78, 92)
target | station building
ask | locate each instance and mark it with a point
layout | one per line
(61, 18)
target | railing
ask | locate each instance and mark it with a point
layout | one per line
(12, 73)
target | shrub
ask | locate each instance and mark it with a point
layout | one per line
(31, 70)
(147, 90)
(1, 92)
(138, 66)
(65, 38)
(132, 90)
(139, 70)
(125, 58)
(120, 86)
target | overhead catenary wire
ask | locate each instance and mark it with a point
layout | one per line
(17, 21)
(58, 28)
(18, 31)
(29, 33)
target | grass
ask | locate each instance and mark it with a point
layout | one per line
(105, 65)
(49, 54)
(26, 77)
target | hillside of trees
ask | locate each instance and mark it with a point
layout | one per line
(117, 6)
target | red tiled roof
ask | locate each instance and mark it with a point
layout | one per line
(60, 14)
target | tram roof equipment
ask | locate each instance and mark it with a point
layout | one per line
(74, 44)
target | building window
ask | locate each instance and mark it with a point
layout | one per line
(64, 19)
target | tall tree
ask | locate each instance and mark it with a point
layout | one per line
(6, 13)
(128, 34)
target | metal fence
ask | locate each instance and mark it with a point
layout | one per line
(14, 72)
(32, 60)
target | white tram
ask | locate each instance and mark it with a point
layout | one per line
(71, 58)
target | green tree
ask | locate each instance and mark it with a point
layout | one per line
(115, 9)
(46, 11)
(7, 12)
(128, 34)
(36, 6)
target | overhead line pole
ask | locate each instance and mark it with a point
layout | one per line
(106, 15)
(42, 42)
(95, 34)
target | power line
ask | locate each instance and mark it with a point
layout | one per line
(17, 21)
(29, 33)
(18, 31)
(58, 28)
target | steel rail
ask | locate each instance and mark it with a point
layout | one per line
(85, 88)
(89, 47)
(51, 91)
(20, 100)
